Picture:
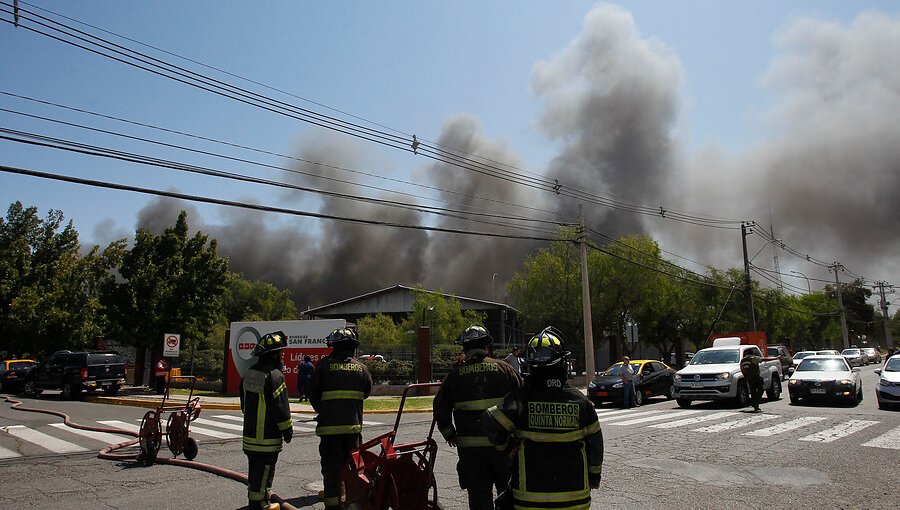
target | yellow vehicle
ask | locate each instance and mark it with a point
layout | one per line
(651, 378)
(12, 374)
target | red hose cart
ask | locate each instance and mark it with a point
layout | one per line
(397, 476)
(177, 426)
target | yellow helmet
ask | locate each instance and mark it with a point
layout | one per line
(546, 349)
(274, 341)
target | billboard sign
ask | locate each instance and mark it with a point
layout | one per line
(305, 338)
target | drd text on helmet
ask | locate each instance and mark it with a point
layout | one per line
(546, 349)
(271, 342)
(474, 335)
(342, 338)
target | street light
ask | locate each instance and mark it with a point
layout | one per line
(808, 288)
(492, 287)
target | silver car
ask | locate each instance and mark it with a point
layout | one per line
(855, 357)
(887, 391)
(873, 354)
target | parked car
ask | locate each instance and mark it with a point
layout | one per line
(72, 372)
(799, 355)
(873, 354)
(12, 374)
(651, 378)
(825, 377)
(784, 357)
(855, 357)
(887, 391)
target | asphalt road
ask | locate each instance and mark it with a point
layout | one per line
(657, 456)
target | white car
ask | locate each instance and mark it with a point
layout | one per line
(887, 391)
(799, 355)
(855, 357)
(825, 377)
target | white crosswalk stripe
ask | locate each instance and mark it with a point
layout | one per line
(607, 418)
(646, 419)
(8, 454)
(229, 426)
(103, 437)
(785, 427)
(695, 419)
(229, 417)
(121, 425)
(839, 431)
(890, 440)
(605, 413)
(45, 441)
(736, 424)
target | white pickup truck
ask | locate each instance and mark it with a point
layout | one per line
(714, 373)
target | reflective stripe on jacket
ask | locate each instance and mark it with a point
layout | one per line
(468, 390)
(339, 386)
(558, 444)
(267, 413)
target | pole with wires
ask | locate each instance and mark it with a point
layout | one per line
(748, 284)
(836, 267)
(586, 304)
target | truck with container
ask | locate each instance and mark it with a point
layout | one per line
(714, 373)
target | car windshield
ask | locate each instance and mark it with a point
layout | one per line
(13, 365)
(773, 351)
(616, 369)
(828, 353)
(892, 365)
(850, 352)
(715, 357)
(801, 355)
(823, 365)
(104, 358)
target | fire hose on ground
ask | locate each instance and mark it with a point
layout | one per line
(107, 452)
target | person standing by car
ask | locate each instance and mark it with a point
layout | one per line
(750, 371)
(471, 387)
(305, 372)
(550, 430)
(627, 376)
(267, 418)
(339, 386)
(513, 360)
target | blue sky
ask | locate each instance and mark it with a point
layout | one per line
(411, 66)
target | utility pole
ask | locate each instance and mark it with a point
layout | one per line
(846, 336)
(586, 304)
(888, 340)
(748, 284)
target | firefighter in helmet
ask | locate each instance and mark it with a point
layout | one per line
(339, 386)
(551, 429)
(267, 418)
(471, 387)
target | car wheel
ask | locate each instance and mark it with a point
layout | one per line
(31, 390)
(743, 394)
(69, 390)
(774, 393)
(111, 390)
(671, 393)
(683, 402)
(639, 397)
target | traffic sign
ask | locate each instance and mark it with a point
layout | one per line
(171, 344)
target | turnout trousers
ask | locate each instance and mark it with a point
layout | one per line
(334, 451)
(480, 469)
(259, 478)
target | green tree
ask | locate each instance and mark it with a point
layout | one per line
(50, 296)
(246, 300)
(442, 314)
(378, 333)
(172, 284)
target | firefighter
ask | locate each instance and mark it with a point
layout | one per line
(339, 386)
(551, 431)
(267, 418)
(471, 387)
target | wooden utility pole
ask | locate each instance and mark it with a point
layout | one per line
(586, 304)
(836, 267)
(888, 340)
(748, 284)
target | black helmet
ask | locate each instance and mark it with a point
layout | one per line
(546, 349)
(473, 335)
(271, 342)
(342, 338)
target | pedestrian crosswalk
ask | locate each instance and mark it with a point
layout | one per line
(58, 438)
(753, 425)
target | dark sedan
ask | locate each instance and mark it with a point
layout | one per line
(651, 378)
(12, 374)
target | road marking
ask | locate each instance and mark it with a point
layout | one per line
(121, 425)
(654, 418)
(696, 419)
(603, 413)
(8, 454)
(785, 427)
(626, 415)
(736, 424)
(229, 426)
(839, 431)
(889, 440)
(191, 430)
(43, 440)
(367, 422)
(241, 419)
(103, 437)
